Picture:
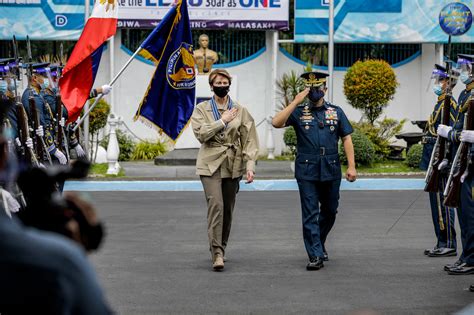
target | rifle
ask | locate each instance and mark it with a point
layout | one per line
(61, 138)
(452, 192)
(23, 131)
(441, 148)
(40, 144)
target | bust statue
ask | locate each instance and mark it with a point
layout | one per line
(204, 57)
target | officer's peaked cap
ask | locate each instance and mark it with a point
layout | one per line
(314, 78)
(40, 68)
(6, 61)
(463, 58)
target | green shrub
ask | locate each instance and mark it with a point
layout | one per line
(126, 145)
(98, 116)
(414, 155)
(289, 137)
(147, 150)
(364, 151)
(380, 134)
(369, 85)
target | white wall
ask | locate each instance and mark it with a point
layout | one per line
(412, 100)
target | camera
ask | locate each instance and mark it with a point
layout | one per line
(48, 209)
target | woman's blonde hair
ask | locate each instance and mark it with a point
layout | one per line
(216, 72)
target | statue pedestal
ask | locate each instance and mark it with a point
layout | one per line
(187, 140)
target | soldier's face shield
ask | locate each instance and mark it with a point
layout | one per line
(464, 66)
(438, 77)
(48, 74)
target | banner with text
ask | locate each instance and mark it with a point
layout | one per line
(64, 19)
(377, 21)
(209, 14)
(41, 19)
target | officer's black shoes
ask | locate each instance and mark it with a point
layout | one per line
(326, 256)
(429, 250)
(471, 288)
(315, 263)
(442, 252)
(451, 266)
(462, 270)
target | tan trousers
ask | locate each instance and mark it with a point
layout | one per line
(220, 196)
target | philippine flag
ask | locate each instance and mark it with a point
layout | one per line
(80, 71)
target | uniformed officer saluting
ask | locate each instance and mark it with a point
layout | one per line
(318, 126)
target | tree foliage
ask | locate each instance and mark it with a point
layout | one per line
(369, 85)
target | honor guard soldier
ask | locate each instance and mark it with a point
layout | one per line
(465, 264)
(443, 217)
(318, 125)
(464, 65)
(43, 123)
(11, 117)
(52, 98)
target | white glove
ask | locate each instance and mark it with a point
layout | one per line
(11, 205)
(40, 131)
(467, 136)
(80, 151)
(106, 89)
(61, 157)
(62, 122)
(18, 142)
(443, 130)
(29, 143)
(443, 164)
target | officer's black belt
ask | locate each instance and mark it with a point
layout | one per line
(322, 151)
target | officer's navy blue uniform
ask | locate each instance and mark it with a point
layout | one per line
(44, 116)
(445, 238)
(463, 104)
(317, 169)
(467, 213)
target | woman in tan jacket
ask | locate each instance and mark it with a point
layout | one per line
(229, 148)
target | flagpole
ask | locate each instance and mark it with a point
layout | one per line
(331, 51)
(86, 122)
(99, 97)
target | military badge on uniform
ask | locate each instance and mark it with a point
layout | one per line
(330, 116)
(307, 116)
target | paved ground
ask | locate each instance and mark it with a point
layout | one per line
(147, 170)
(156, 260)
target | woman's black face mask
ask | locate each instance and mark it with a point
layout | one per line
(221, 91)
(315, 94)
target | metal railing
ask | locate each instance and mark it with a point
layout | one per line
(460, 48)
(346, 54)
(231, 46)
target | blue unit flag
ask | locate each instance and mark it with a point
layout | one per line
(169, 99)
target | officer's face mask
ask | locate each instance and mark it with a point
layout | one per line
(3, 87)
(316, 93)
(11, 85)
(438, 89)
(465, 77)
(45, 84)
(221, 91)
